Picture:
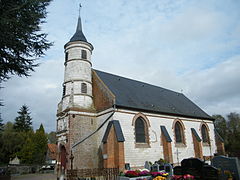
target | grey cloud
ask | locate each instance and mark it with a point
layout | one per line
(41, 92)
(173, 44)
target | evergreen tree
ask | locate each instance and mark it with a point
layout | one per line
(11, 143)
(26, 154)
(230, 131)
(233, 134)
(21, 38)
(23, 122)
(52, 139)
(40, 147)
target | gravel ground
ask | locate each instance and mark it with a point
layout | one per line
(35, 177)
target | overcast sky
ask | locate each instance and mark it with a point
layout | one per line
(185, 45)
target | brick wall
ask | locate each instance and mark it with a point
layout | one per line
(197, 147)
(220, 147)
(86, 153)
(102, 97)
(114, 152)
(167, 149)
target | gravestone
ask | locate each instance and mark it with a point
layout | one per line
(168, 169)
(210, 173)
(227, 164)
(147, 165)
(161, 168)
(192, 166)
(127, 166)
(177, 170)
(155, 167)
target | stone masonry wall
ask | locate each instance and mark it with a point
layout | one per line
(137, 156)
(86, 153)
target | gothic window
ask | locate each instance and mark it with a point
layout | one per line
(140, 130)
(178, 129)
(83, 88)
(204, 132)
(64, 90)
(66, 56)
(84, 54)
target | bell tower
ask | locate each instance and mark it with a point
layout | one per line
(77, 85)
(77, 100)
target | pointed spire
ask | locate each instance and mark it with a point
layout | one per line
(79, 36)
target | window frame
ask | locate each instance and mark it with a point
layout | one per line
(207, 142)
(83, 88)
(64, 90)
(83, 54)
(140, 130)
(182, 131)
(146, 124)
(178, 133)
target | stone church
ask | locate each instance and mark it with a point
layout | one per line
(105, 120)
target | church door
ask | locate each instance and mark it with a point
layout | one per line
(63, 157)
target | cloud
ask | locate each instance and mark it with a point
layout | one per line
(41, 92)
(217, 88)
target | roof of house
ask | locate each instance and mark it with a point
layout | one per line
(136, 95)
(52, 148)
(118, 131)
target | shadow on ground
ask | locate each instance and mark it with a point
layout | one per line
(35, 177)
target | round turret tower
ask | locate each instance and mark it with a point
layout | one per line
(77, 86)
(77, 100)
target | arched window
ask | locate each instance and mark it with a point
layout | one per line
(204, 132)
(83, 88)
(178, 129)
(140, 130)
(84, 54)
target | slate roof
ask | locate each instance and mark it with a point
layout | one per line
(196, 135)
(78, 36)
(136, 95)
(118, 131)
(165, 133)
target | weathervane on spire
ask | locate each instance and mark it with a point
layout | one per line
(80, 7)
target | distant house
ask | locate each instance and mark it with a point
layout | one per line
(51, 154)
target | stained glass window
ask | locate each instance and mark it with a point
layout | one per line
(204, 134)
(140, 130)
(178, 133)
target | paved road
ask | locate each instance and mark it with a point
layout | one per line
(35, 177)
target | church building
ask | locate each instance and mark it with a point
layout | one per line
(105, 120)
